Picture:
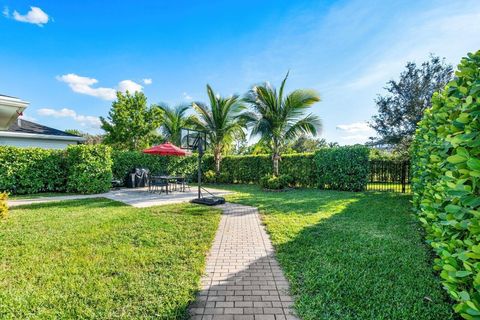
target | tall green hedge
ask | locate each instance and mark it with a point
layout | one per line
(125, 161)
(234, 169)
(89, 168)
(343, 168)
(32, 170)
(446, 184)
(80, 168)
(251, 168)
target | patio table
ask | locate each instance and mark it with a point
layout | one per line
(166, 178)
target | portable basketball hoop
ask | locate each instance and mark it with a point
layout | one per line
(196, 140)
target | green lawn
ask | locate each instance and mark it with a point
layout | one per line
(39, 195)
(99, 259)
(350, 255)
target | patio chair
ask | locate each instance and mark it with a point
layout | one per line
(158, 185)
(183, 183)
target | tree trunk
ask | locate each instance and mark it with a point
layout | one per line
(276, 159)
(218, 158)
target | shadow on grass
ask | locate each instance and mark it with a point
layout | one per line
(351, 255)
(368, 261)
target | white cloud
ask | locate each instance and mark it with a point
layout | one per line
(356, 132)
(84, 85)
(6, 12)
(147, 81)
(129, 85)
(354, 127)
(35, 16)
(186, 96)
(90, 121)
(356, 138)
(435, 33)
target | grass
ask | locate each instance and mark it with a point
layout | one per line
(39, 195)
(99, 259)
(350, 255)
(388, 186)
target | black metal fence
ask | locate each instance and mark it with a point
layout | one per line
(386, 175)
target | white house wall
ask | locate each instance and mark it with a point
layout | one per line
(39, 143)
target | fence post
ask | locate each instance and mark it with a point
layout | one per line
(404, 176)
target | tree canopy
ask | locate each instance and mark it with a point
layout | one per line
(402, 107)
(278, 119)
(221, 120)
(173, 120)
(131, 124)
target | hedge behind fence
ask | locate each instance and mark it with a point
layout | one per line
(343, 168)
(80, 168)
(446, 184)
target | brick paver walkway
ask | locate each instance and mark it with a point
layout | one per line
(243, 280)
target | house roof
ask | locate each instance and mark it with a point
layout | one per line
(32, 127)
(29, 129)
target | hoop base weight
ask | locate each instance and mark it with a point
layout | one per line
(209, 201)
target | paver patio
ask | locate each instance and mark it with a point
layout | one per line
(137, 197)
(243, 280)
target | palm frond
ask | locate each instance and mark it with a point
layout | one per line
(311, 124)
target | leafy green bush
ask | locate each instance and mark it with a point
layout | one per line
(3, 205)
(89, 168)
(446, 184)
(301, 168)
(210, 176)
(342, 168)
(250, 168)
(275, 183)
(32, 170)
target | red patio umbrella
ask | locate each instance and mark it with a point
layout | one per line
(166, 149)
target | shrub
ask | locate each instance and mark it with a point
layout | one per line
(245, 169)
(301, 168)
(3, 205)
(342, 168)
(31, 170)
(446, 184)
(89, 168)
(210, 176)
(275, 183)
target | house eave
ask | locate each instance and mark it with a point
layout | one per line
(40, 136)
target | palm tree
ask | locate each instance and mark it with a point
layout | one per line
(222, 121)
(173, 120)
(278, 119)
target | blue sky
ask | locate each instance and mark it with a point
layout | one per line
(67, 57)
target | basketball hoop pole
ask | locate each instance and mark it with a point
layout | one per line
(200, 155)
(197, 140)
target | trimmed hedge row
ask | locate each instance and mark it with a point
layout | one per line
(90, 168)
(234, 169)
(32, 170)
(251, 168)
(343, 168)
(446, 184)
(125, 161)
(79, 168)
